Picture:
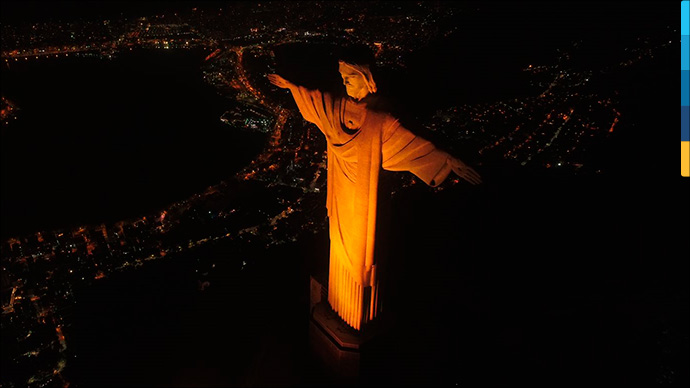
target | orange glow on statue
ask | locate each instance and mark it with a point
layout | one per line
(361, 141)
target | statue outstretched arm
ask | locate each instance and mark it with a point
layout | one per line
(280, 82)
(309, 101)
(404, 151)
(464, 171)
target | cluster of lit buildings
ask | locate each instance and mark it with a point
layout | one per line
(548, 129)
(391, 29)
(168, 36)
(250, 117)
(552, 128)
(56, 39)
(41, 271)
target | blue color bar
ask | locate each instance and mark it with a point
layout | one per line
(684, 16)
(684, 87)
(684, 123)
(685, 52)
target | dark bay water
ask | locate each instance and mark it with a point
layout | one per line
(102, 141)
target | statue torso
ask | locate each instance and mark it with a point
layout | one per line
(353, 114)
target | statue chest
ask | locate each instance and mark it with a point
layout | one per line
(352, 114)
(352, 124)
(353, 117)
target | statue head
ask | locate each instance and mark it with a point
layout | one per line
(355, 69)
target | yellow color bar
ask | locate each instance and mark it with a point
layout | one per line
(685, 158)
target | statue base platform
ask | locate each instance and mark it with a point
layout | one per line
(333, 343)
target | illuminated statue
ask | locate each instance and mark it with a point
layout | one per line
(361, 141)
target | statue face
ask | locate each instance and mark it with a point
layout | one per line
(354, 82)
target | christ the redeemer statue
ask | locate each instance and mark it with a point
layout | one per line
(361, 141)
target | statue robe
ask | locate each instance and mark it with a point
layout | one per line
(355, 158)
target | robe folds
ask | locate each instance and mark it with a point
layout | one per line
(355, 158)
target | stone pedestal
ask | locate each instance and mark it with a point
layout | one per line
(334, 344)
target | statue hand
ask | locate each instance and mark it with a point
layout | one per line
(279, 81)
(464, 171)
